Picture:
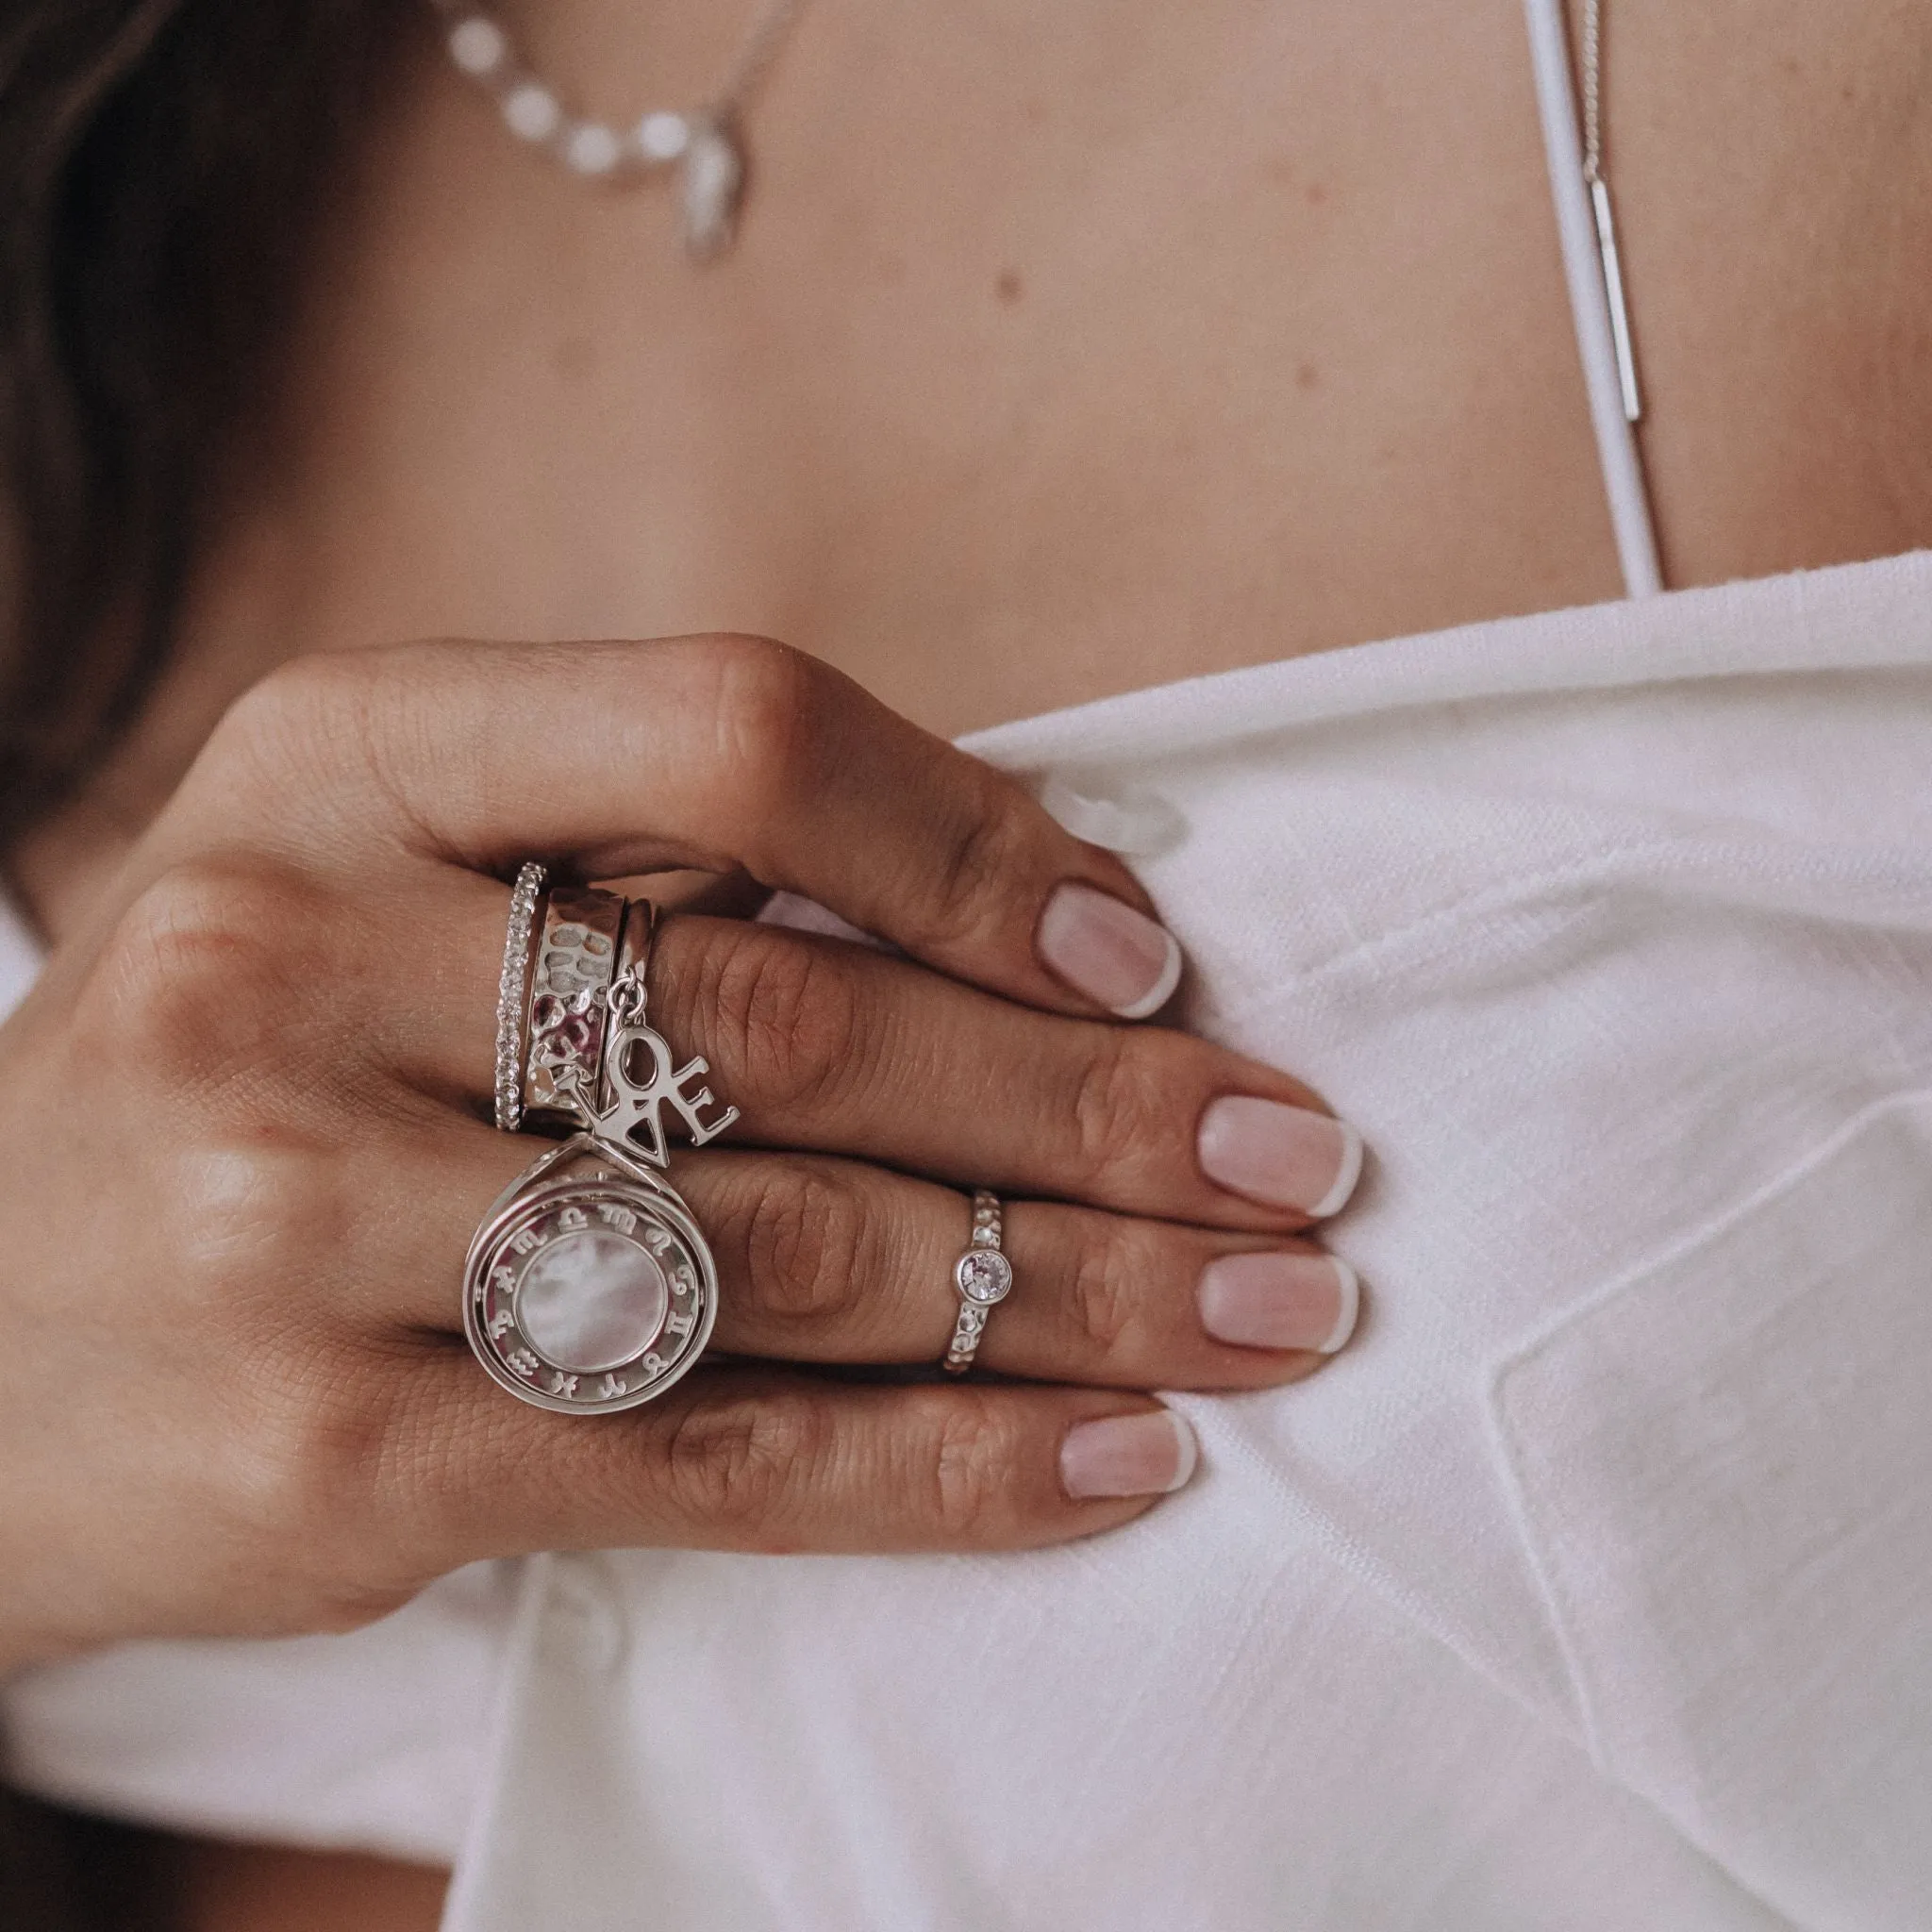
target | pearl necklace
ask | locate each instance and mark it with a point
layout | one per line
(704, 144)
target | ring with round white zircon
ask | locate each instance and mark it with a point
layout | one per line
(590, 1287)
(983, 1277)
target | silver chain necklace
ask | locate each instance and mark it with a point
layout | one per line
(1591, 63)
(704, 145)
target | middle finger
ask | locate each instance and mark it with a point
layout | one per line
(830, 1046)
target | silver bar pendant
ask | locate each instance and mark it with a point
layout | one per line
(1613, 291)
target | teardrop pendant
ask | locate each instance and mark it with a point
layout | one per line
(711, 187)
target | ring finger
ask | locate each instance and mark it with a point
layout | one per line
(829, 1260)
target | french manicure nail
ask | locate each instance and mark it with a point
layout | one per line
(1152, 1454)
(1280, 1301)
(1102, 948)
(1289, 1156)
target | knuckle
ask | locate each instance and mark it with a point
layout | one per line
(302, 688)
(991, 845)
(790, 1010)
(1121, 1107)
(201, 973)
(766, 702)
(1107, 1296)
(811, 1247)
(329, 732)
(976, 1445)
(257, 1221)
(308, 1445)
(308, 705)
(730, 1462)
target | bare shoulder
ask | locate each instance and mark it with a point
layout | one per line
(1772, 165)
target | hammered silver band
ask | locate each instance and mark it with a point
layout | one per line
(513, 994)
(576, 959)
(983, 1277)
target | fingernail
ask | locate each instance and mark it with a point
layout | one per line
(1289, 1156)
(1152, 1454)
(1104, 948)
(1280, 1301)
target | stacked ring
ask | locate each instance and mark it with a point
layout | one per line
(589, 1287)
(570, 981)
(513, 996)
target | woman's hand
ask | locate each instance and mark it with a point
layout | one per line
(242, 1147)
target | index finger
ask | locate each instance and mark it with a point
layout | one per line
(711, 753)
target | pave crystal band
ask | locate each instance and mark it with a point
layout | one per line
(513, 996)
(983, 1277)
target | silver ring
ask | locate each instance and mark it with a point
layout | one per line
(576, 959)
(983, 1278)
(513, 996)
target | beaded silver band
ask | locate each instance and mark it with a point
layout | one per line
(513, 994)
(983, 1277)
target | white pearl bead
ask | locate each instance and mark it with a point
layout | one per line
(477, 45)
(531, 111)
(663, 136)
(592, 149)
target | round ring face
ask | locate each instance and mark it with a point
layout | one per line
(589, 1295)
(983, 1275)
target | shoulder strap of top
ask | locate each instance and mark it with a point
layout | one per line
(19, 957)
(1616, 445)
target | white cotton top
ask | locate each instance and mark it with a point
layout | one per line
(20, 958)
(1585, 1591)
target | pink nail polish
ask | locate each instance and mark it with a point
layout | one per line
(1289, 1156)
(1280, 1301)
(1105, 949)
(1152, 1454)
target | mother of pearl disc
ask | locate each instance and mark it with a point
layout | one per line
(592, 1300)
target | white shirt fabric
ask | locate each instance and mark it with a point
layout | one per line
(1585, 1591)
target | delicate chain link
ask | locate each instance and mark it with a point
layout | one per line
(629, 996)
(1592, 59)
(759, 50)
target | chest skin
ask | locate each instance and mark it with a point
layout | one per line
(1068, 350)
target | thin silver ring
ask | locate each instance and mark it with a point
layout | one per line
(513, 995)
(982, 1278)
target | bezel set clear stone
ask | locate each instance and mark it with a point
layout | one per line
(983, 1275)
